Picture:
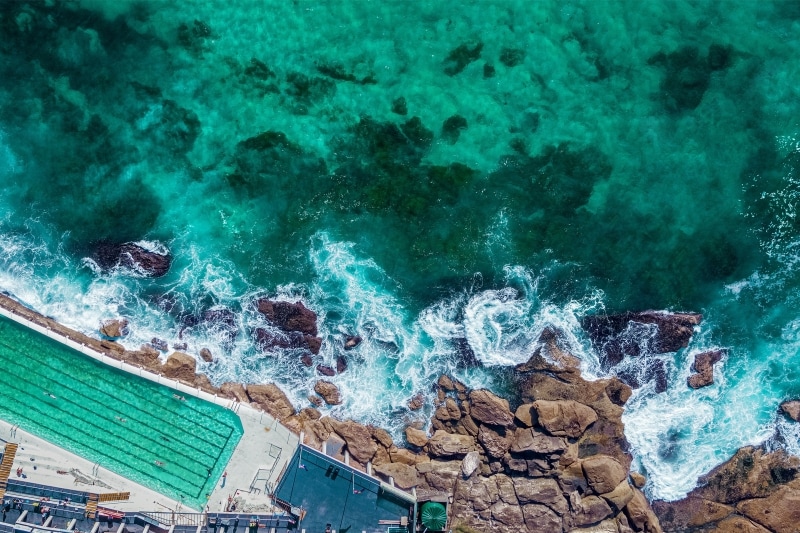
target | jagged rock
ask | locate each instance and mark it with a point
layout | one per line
(638, 480)
(381, 436)
(591, 510)
(524, 414)
(328, 391)
(351, 342)
(142, 258)
(180, 346)
(791, 409)
(416, 402)
(158, 344)
(739, 524)
(444, 444)
(530, 440)
(620, 496)
(690, 513)
(704, 368)
(289, 316)
(358, 438)
(202, 382)
(440, 475)
(205, 355)
(606, 526)
(640, 516)
(778, 512)
(268, 340)
(407, 457)
(271, 399)
(672, 331)
(114, 328)
(564, 418)
(235, 391)
(180, 366)
(540, 518)
(325, 370)
(510, 516)
(571, 478)
(540, 490)
(416, 437)
(495, 444)
(489, 408)
(445, 383)
(470, 463)
(603, 473)
(341, 364)
(404, 476)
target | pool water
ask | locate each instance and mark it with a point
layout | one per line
(128, 424)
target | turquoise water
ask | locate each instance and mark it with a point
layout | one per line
(443, 181)
(123, 422)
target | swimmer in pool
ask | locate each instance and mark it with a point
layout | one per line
(123, 420)
(159, 463)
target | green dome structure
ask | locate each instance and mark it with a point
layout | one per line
(434, 516)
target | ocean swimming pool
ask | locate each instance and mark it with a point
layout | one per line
(129, 425)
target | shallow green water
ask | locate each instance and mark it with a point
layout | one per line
(123, 422)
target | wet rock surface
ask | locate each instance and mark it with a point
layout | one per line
(144, 261)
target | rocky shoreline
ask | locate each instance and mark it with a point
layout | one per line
(558, 463)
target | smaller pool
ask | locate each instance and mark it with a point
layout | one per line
(130, 425)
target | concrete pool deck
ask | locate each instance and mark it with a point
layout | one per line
(264, 449)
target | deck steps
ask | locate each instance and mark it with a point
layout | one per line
(91, 505)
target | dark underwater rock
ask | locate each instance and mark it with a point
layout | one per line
(259, 70)
(159, 344)
(269, 340)
(686, 77)
(194, 37)
(399, 106)
(719, 56)
(655, 370)
(141, 258)
(417, 133)
(341, 364)
(488, 71)
(511, 57)
(221, 320)
(451, 129)
(325, 370)
(461, 56)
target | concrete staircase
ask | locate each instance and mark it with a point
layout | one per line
(5, 466)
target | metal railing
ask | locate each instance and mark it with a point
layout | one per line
(175, 519)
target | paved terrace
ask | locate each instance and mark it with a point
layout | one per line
(257, 461)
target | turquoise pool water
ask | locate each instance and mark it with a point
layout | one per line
(121, 421)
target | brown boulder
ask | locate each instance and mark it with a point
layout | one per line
(524, 414)
(358, 439)
(205, 355)
(444, 444)
(540, 519)
(739, 524)
(440, 475)
(416, 437)
(540, 490)
(509, 517)
(416, 402)
(530, 440)
(620, 496)
(180, 366)
(404, 476)
(271, 399)
(381, 436)
(114, 328)
(791, 408)
(445, 383)
(351, 342)
(640, 516)
(289, 316)
(328, 391)
(591, 510)
(691, 512)
(407, 457)
(489, 408)
(704, 368)
(638, 480)
(603, 473)
(235, 391)
(565, 418)
(778, 512)
(495, 444)
(140, 258)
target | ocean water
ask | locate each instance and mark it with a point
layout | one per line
(444, 179)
